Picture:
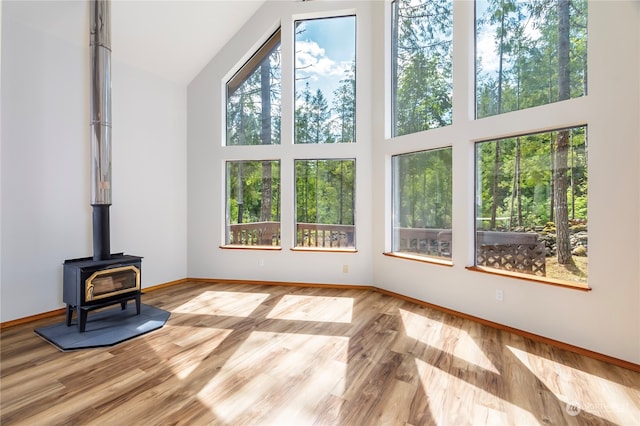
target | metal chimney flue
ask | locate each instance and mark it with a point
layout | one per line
(100, 106)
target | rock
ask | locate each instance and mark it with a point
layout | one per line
(578, 228)
(579, 251)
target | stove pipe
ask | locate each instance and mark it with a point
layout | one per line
(100, 111)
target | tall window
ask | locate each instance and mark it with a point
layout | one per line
(529, 53)
(325, 81)
(422, 200)
(422, 62)
(325, 200)
(253, 98)
(253, 203)
(531, 204)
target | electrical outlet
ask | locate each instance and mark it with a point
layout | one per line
(345, 269)
(499, 295)
(261, 262)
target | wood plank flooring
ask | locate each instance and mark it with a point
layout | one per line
(238, 354)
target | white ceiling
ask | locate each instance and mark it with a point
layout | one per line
(175, 39)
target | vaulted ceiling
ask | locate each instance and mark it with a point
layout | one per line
(175, 39)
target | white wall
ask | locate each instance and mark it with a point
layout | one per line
(606, 320)
(206, 156)
(46, 216)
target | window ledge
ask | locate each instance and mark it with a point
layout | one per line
(238, 247)
(417, 258)
(532, 278)
(326, 250)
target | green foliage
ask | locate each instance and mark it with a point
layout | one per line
(422, 65)
(423, 189)
(244, 187)
(316, 122)
(535, 179)
(344, 107)
(245, 110)
(312, 118)
(325, 191)
(522, 69)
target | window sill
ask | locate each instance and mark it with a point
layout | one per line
(238, 247)
(532, 278)
(423, 259)
(326, 250)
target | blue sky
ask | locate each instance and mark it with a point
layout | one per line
(323, 52)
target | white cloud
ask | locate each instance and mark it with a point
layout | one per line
(312, 61)
(485, 45)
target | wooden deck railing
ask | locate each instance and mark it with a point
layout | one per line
(512, 251)
(254, 234)
(307, 235)
(429, 241)
(326, 236)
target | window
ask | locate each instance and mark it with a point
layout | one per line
(531, 204)
(422, 200)
(422, 62)
(529, 53)
(325, 82)
(322, 109)
(325, 200)
(253, 98)
(253, 203)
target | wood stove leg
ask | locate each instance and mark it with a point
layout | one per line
(123, 304)
(138, 304)
(82, 320)
(69, 314)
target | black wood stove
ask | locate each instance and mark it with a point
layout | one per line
(90, 284)
(105, 279)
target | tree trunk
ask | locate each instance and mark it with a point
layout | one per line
(341, 195)
(515, 190)
(563, 244)
(496, 164)
(241, 141)
(394, 66)
(265, 136)
(494, 189)
(240, 193)
(552, 156)
(519, 184)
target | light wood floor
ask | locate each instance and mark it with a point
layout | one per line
(237, 354)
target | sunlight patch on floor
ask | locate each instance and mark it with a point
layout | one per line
(449, 396)
(620, 404)
(223, 303)
(314, 308)
(198, 342)
(424, 329)
(287, 370)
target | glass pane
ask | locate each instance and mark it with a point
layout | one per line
(529, 53)
(325, 203)
(422, 62)
(531, 204)
(422, 200)
(253, 203)
(325, 74)
(253, 98)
